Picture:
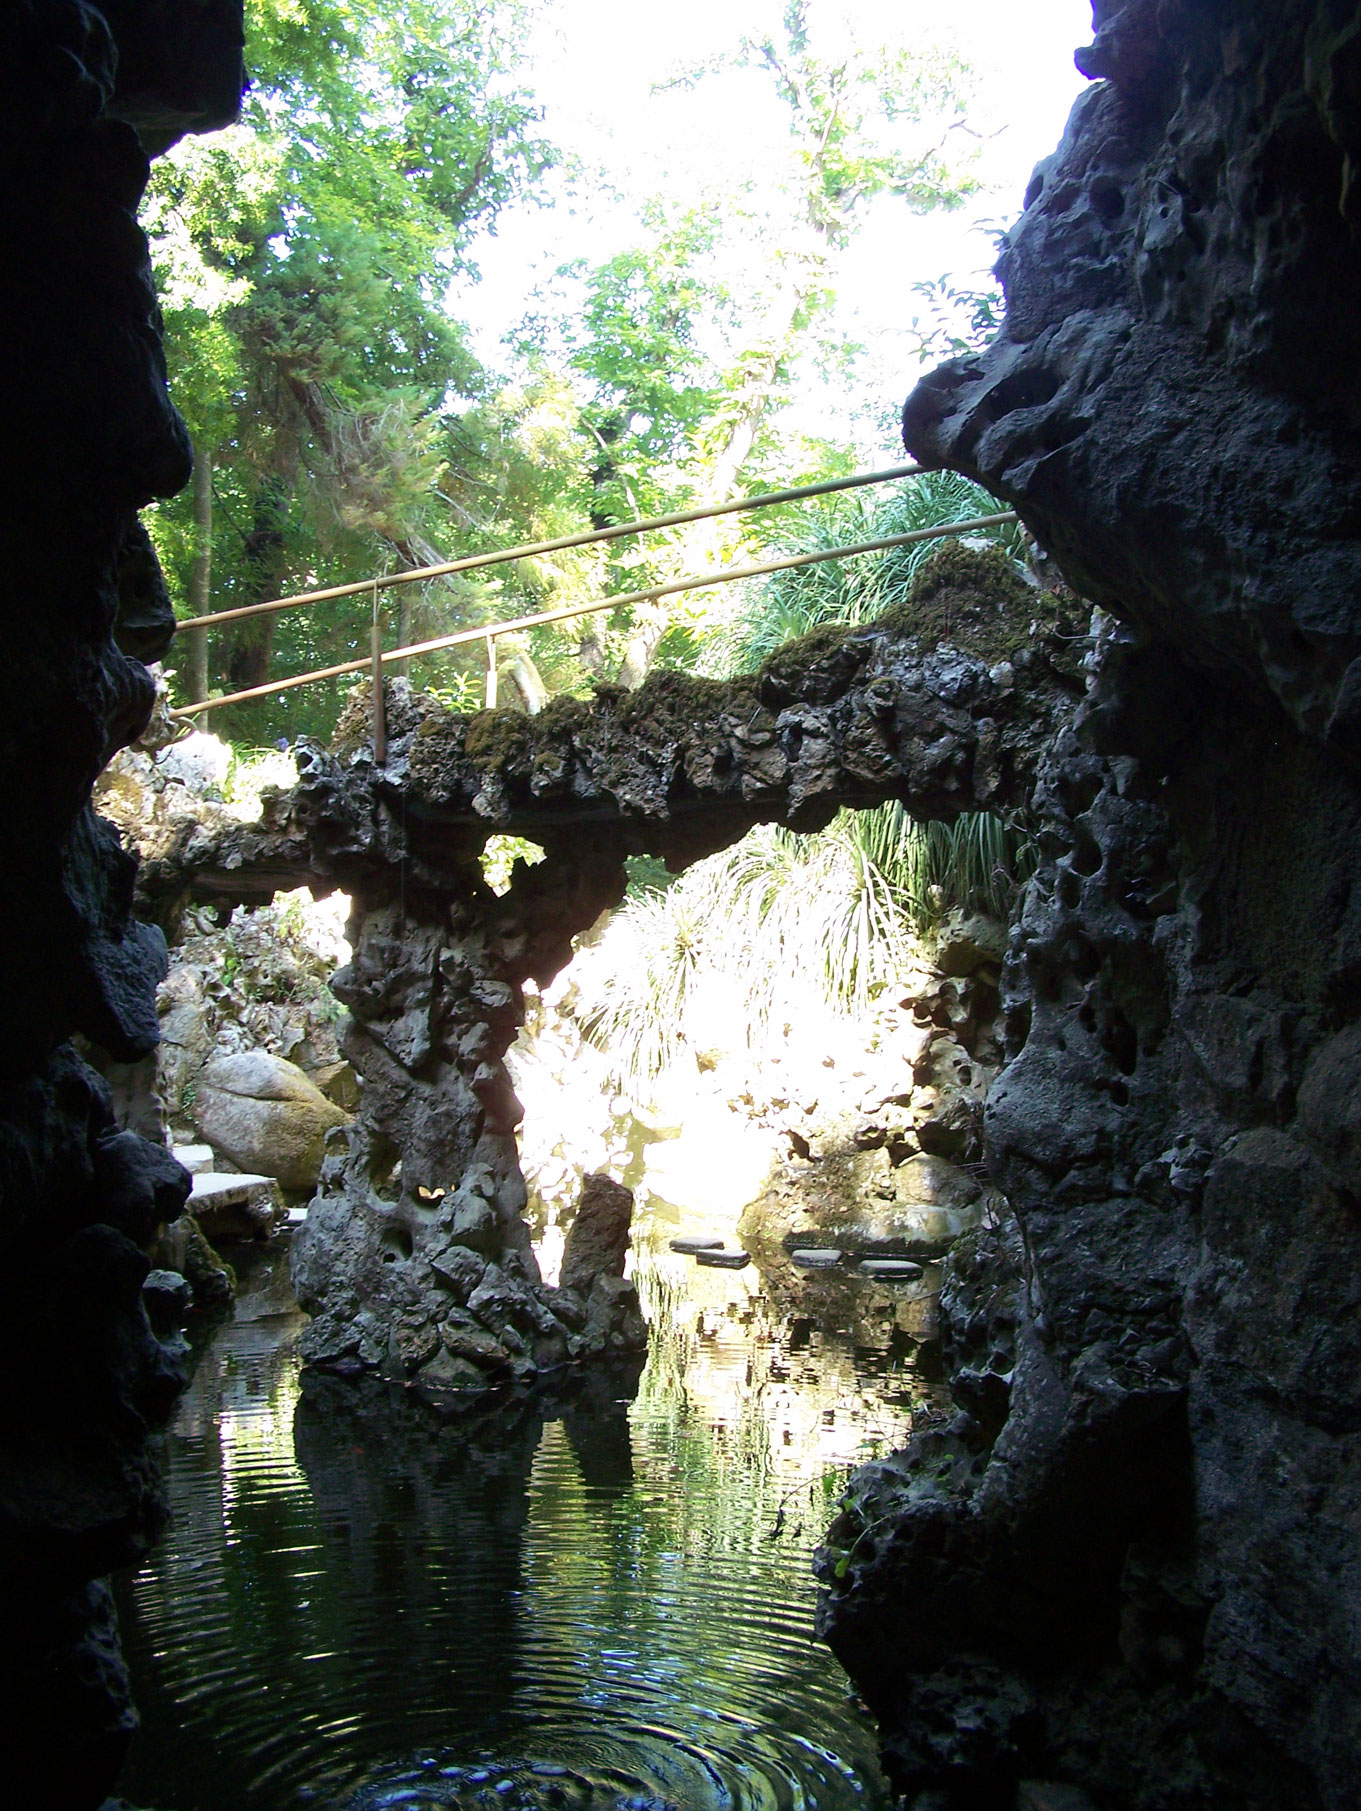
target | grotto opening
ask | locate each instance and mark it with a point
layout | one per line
(1134, 1571)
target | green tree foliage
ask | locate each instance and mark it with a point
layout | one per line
(310, 260)
(635, 347)
(306, 260)
(865, 118)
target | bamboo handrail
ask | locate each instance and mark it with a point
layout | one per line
(531, 549)
(697, 582)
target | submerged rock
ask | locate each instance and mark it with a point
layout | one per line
(816, 1258)
(891, 1270)
(181, 1246)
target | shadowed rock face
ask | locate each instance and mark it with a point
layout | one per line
(1143, 1575)
(90, 436)
(1130, 1564)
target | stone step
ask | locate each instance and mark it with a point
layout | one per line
(890, 1270)
(222, 1188)
(692, 1243)
(816, 1258)
(230, 1206)
(196, 1158)
(713, 1259)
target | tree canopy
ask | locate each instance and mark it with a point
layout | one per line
(312, 262)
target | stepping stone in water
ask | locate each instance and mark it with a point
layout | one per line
(692, 1243)
(722, 1260)
(891, 1270)
(815, 1259)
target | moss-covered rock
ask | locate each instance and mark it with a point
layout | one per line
(498, 740)
(435, 757)
(817, 667)
(668, 704)
(973, 598)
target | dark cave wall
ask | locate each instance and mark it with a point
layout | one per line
(90, 436)
(1145, 1579)
(1138, 1572)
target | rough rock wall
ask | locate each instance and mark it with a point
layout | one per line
(415, 1258)
(1141, 1573)
(90, 437)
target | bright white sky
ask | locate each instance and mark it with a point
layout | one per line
(595, 64)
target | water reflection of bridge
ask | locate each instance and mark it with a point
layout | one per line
(364, 1598)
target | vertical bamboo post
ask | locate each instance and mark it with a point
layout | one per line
(491, 672)
(380, 734)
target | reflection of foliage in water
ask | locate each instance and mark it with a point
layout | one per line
(496, 1585)
(763, 1478)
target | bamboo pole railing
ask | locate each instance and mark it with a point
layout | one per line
(473, 562)
(377, 658)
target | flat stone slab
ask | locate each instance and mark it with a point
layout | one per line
(713, 1259)
(818, 1258)
(296, 1216)
(890, 1270)
(231, 1206)
(223, 1188)
(196, 1158)
(692, 1243)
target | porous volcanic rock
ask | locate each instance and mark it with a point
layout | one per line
(598, 1238)
(1131, 1563)
(90, 437)
(415, 1259)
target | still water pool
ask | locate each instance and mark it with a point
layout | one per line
(598, 1599)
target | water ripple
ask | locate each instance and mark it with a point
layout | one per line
(580, 1605)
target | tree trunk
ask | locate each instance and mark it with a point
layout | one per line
(518, 666)
(200, 580)
(262, 557)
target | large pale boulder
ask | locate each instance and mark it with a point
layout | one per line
(921, 1206)
(266, 1116)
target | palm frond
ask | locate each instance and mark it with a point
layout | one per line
(792, 603)
(781, 921)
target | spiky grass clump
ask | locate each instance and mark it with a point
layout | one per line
(790, 604)
(780, 923)
(974, 864)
